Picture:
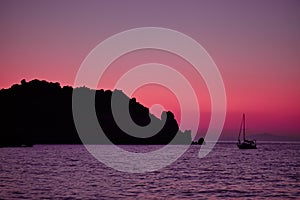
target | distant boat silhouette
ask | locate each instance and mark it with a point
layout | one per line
(245, 144)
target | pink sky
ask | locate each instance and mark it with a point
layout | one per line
(255, 44)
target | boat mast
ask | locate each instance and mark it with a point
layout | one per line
(244, 126)
(241, 127)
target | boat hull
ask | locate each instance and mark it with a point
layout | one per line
(246, 146)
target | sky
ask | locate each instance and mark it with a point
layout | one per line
(255, 44)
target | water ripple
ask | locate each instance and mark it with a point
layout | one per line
(70, 172)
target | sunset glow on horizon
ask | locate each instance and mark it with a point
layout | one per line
(255, 45)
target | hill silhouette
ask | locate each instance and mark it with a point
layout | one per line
(40, 112)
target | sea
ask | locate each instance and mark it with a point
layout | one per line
(272, 171)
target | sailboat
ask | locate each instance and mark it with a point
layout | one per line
(245, 144)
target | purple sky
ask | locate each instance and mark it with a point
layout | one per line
(255, 44)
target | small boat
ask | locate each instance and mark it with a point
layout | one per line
(245, 144)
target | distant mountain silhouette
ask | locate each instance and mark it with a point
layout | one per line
(40, 112)
(271, 137)
(260, 137)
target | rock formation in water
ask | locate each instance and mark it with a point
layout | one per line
(39, 112)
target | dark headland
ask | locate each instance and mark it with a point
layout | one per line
(40, 112)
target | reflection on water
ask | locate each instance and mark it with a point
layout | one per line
(69, 171)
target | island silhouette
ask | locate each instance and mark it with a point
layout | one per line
(40, 112)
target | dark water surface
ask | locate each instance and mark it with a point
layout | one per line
(70, 172)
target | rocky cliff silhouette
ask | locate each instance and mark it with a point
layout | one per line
(40, 112)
